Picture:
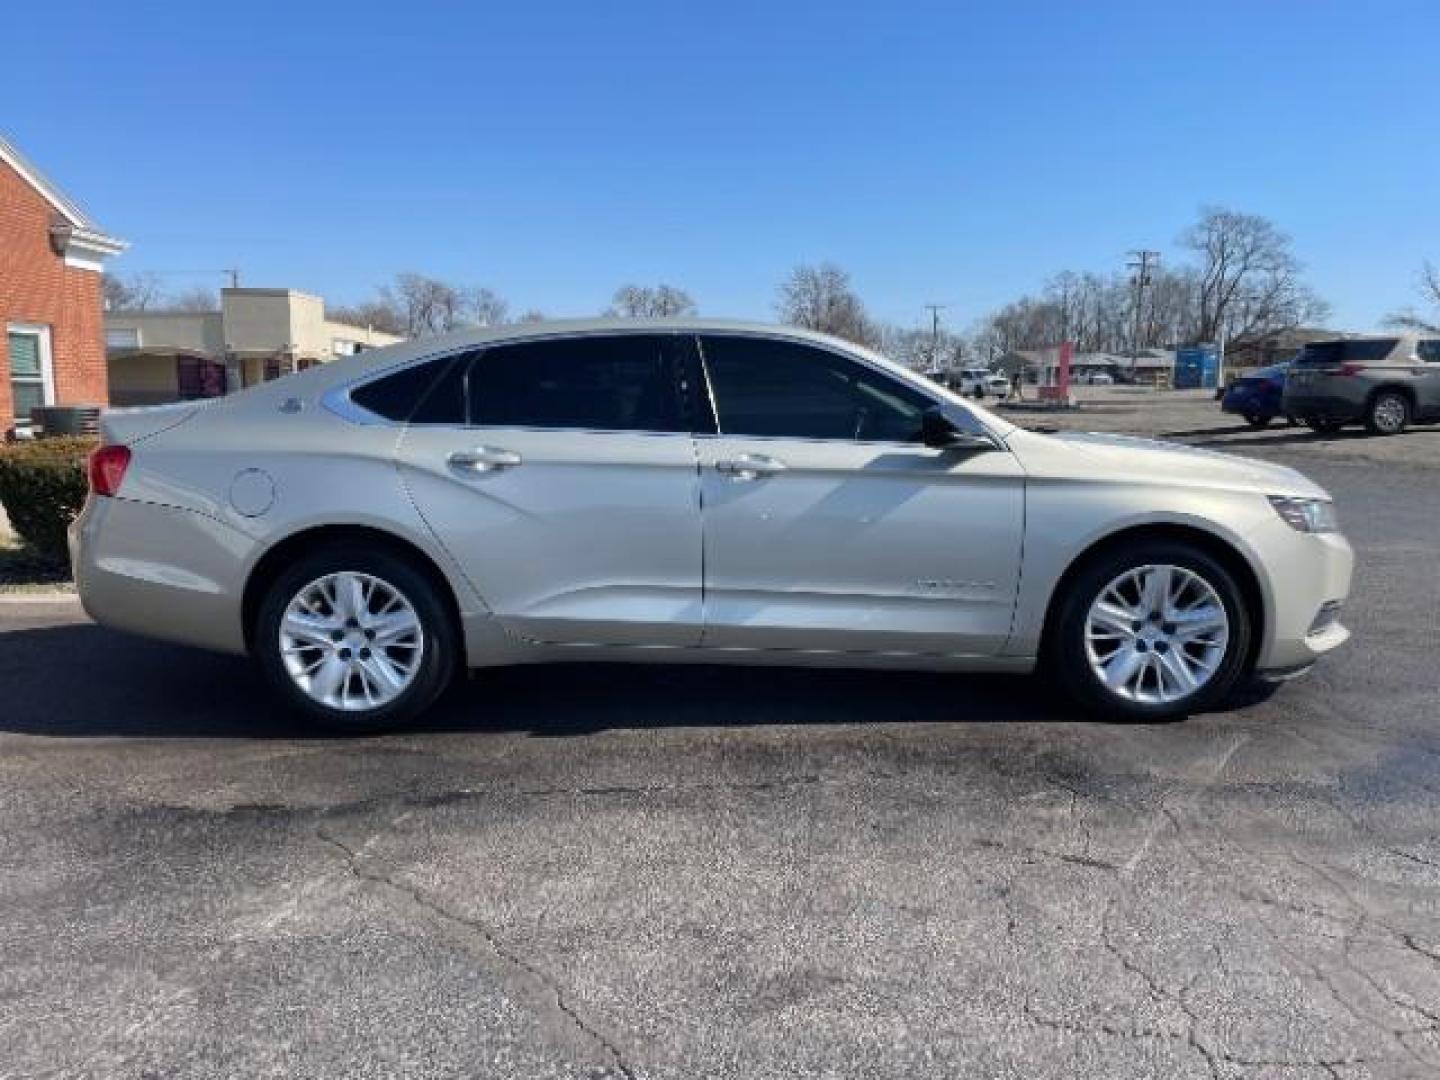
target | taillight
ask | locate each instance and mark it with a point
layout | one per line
(107, 469)
(1349, 369)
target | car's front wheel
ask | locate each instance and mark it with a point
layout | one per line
(1150, 632)
(355, 638)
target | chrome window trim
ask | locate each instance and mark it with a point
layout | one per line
(338, 401)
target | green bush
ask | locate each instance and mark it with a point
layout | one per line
(42, 487)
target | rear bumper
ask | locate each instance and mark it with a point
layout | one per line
(160, 571)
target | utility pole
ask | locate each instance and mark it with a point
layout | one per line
(1142, 263)
(234, 273)
(935, 310)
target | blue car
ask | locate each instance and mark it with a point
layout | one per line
(1258, 397)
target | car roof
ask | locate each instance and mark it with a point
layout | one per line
(461, 339)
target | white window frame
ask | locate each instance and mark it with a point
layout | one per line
(47, 364)
(133, 340)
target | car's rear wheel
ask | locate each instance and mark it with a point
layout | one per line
(1388, 413)
(355, 638)
(1151, 632)
(1257, 420)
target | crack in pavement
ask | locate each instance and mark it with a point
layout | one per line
(541, 987)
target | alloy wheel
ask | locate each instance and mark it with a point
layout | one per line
(1156, 634)
(1388, 414)
(351, 641)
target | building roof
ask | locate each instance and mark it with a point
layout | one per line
(80, 232)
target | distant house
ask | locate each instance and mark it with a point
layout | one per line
(51, 258)
(1262, 350)
(255, 335)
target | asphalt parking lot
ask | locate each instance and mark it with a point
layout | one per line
(722, 872)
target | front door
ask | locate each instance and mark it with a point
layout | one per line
(569, 494)
(830, 526)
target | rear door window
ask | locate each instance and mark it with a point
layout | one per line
(1428, 350)
(619, 382)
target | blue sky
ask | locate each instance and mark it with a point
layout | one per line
(950, 152)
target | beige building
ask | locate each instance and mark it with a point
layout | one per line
(257, 335)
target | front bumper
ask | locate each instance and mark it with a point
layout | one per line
(1306, 572)
(160, 571)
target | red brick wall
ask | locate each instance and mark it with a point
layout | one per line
(37, 287)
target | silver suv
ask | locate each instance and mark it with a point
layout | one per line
(1385, 382)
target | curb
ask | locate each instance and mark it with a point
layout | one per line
(39, 598)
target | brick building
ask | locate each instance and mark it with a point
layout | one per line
(51, 258)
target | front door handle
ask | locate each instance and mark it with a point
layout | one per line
(484, 459)
(749, 466)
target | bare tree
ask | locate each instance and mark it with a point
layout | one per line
(821, 298)
(428, 306)
(1247, 282)
(1409, 319)
(531, 316)
(133, 292)
(487, 307)
(374, 313)
(197, 299)
(1249, 278)
(643, 302)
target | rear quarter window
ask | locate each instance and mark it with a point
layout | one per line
(427, 393)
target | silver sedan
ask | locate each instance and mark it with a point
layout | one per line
(697, 491)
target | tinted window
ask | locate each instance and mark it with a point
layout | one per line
(779, 388)
(1429, 350)
(618, 383)
(428, 393)
(1359, 351)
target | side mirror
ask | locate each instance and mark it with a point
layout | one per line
(938, 432)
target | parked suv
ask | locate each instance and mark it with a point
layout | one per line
(1387, 383)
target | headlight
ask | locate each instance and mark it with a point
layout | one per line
(1306, 515)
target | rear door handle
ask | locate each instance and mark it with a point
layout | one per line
(749, 466)
(484, 459)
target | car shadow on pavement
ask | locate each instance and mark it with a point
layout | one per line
(84, 681)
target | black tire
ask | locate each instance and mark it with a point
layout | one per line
(1257, 420)
(440, 640)
(1066, 649)
(1388, 413)
(1321, 426)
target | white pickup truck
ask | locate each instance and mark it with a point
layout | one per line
(983, 383)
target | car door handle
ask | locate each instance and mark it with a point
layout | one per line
(749, 466)
(484, 459)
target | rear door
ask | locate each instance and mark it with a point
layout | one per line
(830, 526)
(568, 491)
(1428, 392)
